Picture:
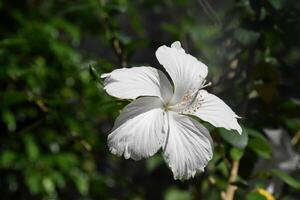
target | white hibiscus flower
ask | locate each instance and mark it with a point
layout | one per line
(158, 117)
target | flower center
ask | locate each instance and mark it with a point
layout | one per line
(166, 106)
(191, 100)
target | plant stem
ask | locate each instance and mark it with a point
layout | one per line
(230, 190)
(119, 52)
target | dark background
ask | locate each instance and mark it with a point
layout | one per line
(55, 116)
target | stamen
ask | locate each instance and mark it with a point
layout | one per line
(195, 94)
(191, 101)
(206, 85)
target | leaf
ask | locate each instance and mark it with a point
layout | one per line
(32, 148)
(176, 194)
(291, 181)
(81, 180)
(123, 38)
(259, 144)
(33, 181)
(12, 97)
(57, 178)
(241, 183)
(255, 196)
(293, 124)
(10, 120)
(94, 74)
(7, 158)
(71, 30)
(246, 37)
(260, 147)
(290, 107)
(48, 185)
(235, 139)
(236, 154)
(277, 4)
(153, 162)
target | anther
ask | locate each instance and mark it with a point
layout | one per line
(206, 85)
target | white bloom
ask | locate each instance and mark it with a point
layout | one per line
(157, 118)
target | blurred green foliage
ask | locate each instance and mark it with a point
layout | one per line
(55, 116)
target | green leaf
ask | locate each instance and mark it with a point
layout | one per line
(260, 147)
(31, 148)
(291, 181)
(10, 120)
(246, 37)
(12, 97)
(81, 180)
(259, 144)
(293, 124)
(33, 181)
(7, 158)
(241, 183)
(94, 74)
(255, 196)
(48, 185)
(68, 28)
(153, 162)
(124, 39)
(278, 4)
(57, 178)
(176, 194)
(235, 139)
(236, 154)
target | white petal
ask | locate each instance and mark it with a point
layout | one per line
(188, 146)
(212, 109)
(177, 45)
(185, 70)
(130, 83)
(139, 130)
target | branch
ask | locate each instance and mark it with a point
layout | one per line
(230, 190)
(119, 52)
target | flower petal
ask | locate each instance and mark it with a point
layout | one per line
(130, 83)
(188, 146)
(212, 109)
(139, 130)
(185, 70)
